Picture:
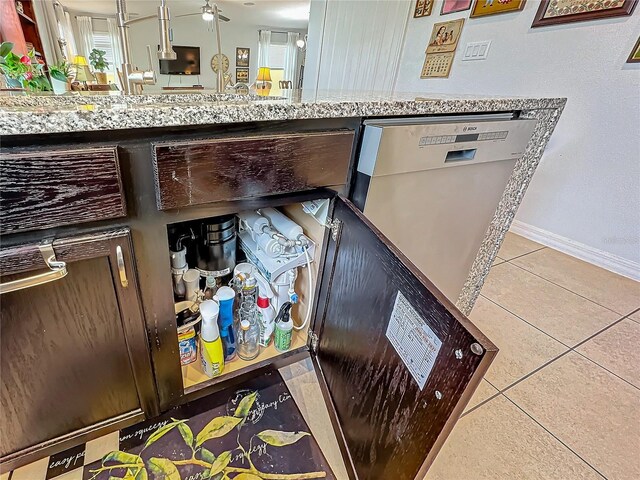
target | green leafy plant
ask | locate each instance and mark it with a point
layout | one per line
(22, 71)
(215, 466)
(97, 60)
(60, 71)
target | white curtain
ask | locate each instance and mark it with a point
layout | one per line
(66, 31)
(112, 27)
(291, 58)
(263, 48)
(348, 53)
(85, 31)
(48, 28)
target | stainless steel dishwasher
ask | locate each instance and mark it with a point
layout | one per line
(432, 185)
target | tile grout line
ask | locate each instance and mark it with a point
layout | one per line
(524, 254)
(554, 436)
(562, 355)
(525, 321)
(561, 286)
(606, 369)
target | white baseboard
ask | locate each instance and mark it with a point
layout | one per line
(579, 250)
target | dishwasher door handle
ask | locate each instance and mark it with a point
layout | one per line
(57, 270)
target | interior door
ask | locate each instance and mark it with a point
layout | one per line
(397, 360)
(75, 357)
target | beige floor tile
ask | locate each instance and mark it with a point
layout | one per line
(497, 261)
(590, 410)
(5, 476)
(616, 349)
(616, 292)
(498, 441)
(485, 390)
(522, 348)
(515, 245)
(98, 448)
(76, 474)
(565, 316)
(305, 389)
(635, 317)
(34, 471)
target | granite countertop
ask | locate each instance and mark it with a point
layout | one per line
(37, 114)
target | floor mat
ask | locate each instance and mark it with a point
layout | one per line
(249, 433)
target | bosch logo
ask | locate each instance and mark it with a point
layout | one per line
(469, 129)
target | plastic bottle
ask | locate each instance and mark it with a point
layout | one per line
(266, 320)
(226, 297)
(283, 328)
(248, 333)
(210, 288)
(211, 352)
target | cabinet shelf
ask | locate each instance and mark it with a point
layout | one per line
(193, 377)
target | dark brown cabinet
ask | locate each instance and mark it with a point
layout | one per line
(94, 351)
(74, 349)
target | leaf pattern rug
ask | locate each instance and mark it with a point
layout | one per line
(255, 432)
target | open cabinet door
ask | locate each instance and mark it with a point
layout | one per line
(397, 361)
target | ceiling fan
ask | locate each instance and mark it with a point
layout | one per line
(206, 11)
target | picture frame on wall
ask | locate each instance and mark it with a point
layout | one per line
(555, 12)
(483, 8)
(242, 75)
(242, 57)
(445, 36)
(423, 8)
(634, 56)
(454, 6)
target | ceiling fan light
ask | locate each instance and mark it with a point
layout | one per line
(207, 15)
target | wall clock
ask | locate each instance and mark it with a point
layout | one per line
(215, 61)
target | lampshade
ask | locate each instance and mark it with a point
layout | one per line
(263, 92)
(264, 74)
(83, 74)
(80, 61)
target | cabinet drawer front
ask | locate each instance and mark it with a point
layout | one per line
(49, 188)
(226, 169)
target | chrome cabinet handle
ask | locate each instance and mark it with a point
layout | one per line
(57, 270)
(121, 270)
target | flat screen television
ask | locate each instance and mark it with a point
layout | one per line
(186, 63)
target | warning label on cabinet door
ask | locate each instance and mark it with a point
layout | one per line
(414, 341)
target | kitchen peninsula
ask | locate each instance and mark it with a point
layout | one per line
(91, 187)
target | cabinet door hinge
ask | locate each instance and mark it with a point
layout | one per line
(314, 341)
(334, 225)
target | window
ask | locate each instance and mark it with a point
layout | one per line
(102, 41)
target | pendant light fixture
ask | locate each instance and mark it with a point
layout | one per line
(207, 12)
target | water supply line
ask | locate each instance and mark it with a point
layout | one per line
(132, 77)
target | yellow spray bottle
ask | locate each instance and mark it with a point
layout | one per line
(211, 352)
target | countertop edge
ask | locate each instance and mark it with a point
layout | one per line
(38, 121)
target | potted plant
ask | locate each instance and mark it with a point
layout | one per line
(99, 64)
(22, 71)
(60, 77)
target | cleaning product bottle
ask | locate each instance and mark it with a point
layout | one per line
(211, 352)
(266, 320)
(226, 297)
(283, 328)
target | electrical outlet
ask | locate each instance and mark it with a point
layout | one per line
(476, 50)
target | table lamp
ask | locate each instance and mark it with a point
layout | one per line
(263, 81)
(83, 74)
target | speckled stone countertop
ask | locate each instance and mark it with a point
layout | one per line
(37, 114)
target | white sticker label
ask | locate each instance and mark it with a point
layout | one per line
(414, 341)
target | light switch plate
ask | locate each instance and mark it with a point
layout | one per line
(476, 50)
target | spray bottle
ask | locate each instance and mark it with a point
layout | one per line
(283, 328)
(266, 320)
(211, 352)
